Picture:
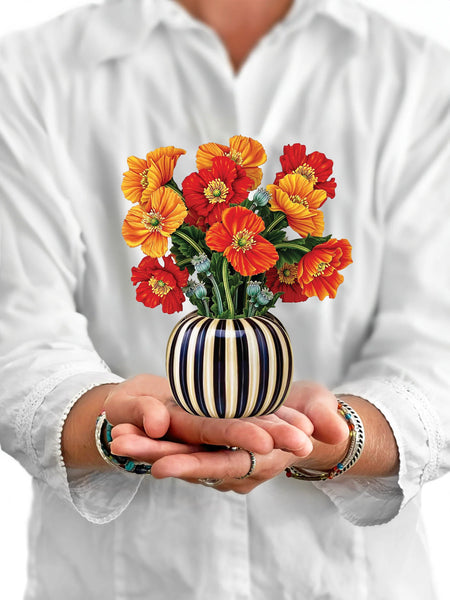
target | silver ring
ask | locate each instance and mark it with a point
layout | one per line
(210, 482)
(252, 461)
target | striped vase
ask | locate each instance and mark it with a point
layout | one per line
(228, 368)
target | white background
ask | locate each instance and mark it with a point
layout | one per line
(430, 17)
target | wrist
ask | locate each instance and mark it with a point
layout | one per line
(356, 439)
(78, 436)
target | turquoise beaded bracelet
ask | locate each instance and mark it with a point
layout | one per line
(354, 450)
(103, 439)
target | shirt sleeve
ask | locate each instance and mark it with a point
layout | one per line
(404, 367)
(47, 360)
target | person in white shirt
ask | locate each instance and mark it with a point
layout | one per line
(82, 93)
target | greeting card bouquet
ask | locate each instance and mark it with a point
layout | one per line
(232, 256)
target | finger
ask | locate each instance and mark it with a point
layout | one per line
(286, 436)
(219, 432)
(141, 447)
(295, 418)
(320, 405)
(220, 464)
(329, 426)
(144, 412)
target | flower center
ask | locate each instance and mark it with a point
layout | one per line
(297, 200)
(235, 156)
(243, 240)
(287, 274)
(153, 221)
(307, 172)
(159, 287)
(216, 191)
(144, 180)
(321, 268)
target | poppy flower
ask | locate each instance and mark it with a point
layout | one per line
(193, 218)
(315, 167)
(285, 280)
(160, 284)
(150, 226)
(318, 271)
(147, 175)
(244, 151)
(210, 191)
(296, 198)
(237, 236)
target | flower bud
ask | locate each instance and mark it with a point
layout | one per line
(264, 297)
(189, 289)
(253, 288)
(261, 197)
(200, 291)
(201, 263)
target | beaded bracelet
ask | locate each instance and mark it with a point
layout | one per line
(103, 439)
(354, 450)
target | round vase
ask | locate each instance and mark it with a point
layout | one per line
(229, 368)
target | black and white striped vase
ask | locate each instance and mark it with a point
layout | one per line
(229, 368)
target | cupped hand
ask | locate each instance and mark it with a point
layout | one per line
(322, 450)
(150, 426)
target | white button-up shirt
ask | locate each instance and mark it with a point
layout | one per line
(78, 96)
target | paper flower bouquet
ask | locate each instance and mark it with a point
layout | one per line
(232, 257)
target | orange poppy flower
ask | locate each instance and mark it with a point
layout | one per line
(237, 237)
(316, 167)
(147, 175)
(318, 271)
(245, 151)
(296, 198)
(150, 226)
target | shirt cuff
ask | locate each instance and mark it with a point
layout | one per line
(97, 496)
(416, 429)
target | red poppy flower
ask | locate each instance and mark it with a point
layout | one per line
(318, 271)
(285, 280)
(237, 237)
(160, 284)
(210, 191)
(316, 167)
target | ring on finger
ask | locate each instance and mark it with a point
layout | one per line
(209, 481)
(252, 461)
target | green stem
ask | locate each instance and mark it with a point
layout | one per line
(217, 293)
(226, 285)
(173, 186)
(245, 293)
(252, 308)
(291, 245)
(274, 223)
(184, 262)
(205, 304)
(187, 239)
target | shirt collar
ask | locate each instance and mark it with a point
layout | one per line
(117, 28)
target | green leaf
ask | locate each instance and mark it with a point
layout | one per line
(311, 241)
(188, 241)
(275, 236)
(216, 265)
(290, 252)
(274, 221)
